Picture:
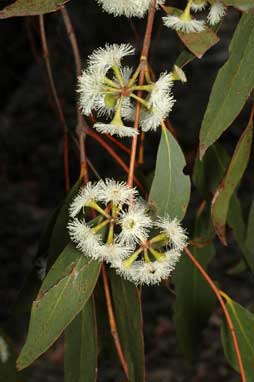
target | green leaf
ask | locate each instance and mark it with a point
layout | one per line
(232, 86)
(60, 236)
(127, 308)
(214, 163)
(184, 58)
(66, 289)
(195, 300)
(7, 360)
(243, 5)
(243, 322)
(249, 239)
(199, 43)
(227, 187)
(31, 7)
(80, 356)
(170, 189)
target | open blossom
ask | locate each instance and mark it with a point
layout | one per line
(88, 242)
(141, 248)
(198, 5)
(135, 224)
(183, 25)
(4, 351)
(128, 8)
(114, 129)
(173, 229)
(217, 11)
(118, 193)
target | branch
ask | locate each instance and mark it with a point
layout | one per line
(224, 310)
(80, 120)
(56, 100)
(112, 321)
(143, 63)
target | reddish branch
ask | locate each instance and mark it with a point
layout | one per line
(56, 100)
(224, 310)
(112, 321)
(80, 120)
(143, 64)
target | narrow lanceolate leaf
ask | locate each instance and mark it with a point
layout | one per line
(170, 189)
(194, 298)
(232, 86)
(31, 7)
(60, 236)
(243, 5)
(249, 239)
(63, 294)
(243, 322)
(228, 185)
(128, 315)
(199, 43)
(80, 356)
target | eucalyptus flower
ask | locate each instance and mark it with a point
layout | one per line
(128, 8)
(184, 22)
(216, 12)
(198, 5)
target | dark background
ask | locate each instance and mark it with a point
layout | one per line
(32, 179)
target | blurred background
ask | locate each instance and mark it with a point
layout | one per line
(32, 176)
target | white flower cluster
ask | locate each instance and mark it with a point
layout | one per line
(128, 8)
(109, 88)
(142, 249)
(4, 351)
(184, 22)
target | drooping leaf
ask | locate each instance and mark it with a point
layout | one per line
(243, 322)
(199, 43)
(128, 315)
(80, 355)
(249, 239)
(194, 299)
(243, 5)
(214, 163)
(227, 187)
(7, 360)
(66, 289)
(184, 58)
(170, 189)
(31, 7)
(60, 236)
(233, 84)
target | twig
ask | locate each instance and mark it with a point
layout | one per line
(80, 120)
(56, 100)
(119, 144)
(224, 310)
(143, 63)
(112, 321)
(114, 155)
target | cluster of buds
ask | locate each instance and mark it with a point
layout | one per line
(180, 20)
(110, 89)
(142, 248)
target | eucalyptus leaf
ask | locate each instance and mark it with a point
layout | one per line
(127, 309)
(223, 194)
(243, 322)
(232, 86)
(243, 5)
(170, 190)
(64, 293)
(195, 300)
(80, 356)
(31, 7)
